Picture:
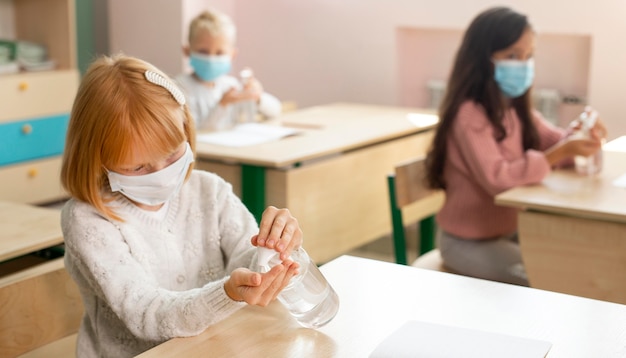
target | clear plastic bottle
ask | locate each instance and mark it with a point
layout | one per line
(592, 164)
(309, 297)
(248, 108)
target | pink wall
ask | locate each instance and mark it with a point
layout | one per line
(426, 54)
(328, 50)
(156, 30)
(322, 51)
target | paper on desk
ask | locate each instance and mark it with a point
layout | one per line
(247, 134)
(417, 339)
(620, 182)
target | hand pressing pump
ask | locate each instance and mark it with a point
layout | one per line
(308, 296)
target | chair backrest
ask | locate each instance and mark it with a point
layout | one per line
(38, 305)
(412, 201)
(410, 185)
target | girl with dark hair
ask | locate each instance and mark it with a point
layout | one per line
(490, 139)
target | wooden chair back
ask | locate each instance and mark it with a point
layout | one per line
(38, 306)
(412, 201)
(410, 184)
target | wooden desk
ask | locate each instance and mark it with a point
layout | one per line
(26, 228)
(332, 176)
(378, 297)
(572, 231)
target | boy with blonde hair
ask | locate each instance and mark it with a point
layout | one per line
(217, 100)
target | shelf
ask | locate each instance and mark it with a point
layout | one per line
(50, 23)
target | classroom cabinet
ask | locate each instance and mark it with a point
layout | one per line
(35, 106)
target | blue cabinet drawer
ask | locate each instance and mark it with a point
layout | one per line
(32, 139)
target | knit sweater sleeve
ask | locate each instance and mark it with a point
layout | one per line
(269, 106)
(115, 280)
(496, 166)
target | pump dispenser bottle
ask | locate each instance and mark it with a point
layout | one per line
(592, 164)
(309, 297)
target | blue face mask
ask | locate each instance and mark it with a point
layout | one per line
(208, 67)
(514, 77)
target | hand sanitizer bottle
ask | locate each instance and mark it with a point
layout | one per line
(592, 164)
(309, 297)
(248, 108)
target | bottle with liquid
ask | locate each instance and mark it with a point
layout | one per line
(248, 108)
(309, 297)
(592, 164)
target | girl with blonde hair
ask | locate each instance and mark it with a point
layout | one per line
(159, 250)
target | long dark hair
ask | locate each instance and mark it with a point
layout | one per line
(472, 79)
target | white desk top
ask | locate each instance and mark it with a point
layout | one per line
(566, 192)
(378, 297)
(326, 130)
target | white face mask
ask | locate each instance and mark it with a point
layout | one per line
(154, 188)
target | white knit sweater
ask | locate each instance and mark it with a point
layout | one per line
(145, 281)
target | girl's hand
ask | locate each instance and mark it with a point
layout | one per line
(278, 230)
(259, 289)
(582, 147)
(599, 131)
(571, 147)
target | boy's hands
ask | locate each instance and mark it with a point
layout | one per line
(251, 91)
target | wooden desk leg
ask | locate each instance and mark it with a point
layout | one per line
(253, 189)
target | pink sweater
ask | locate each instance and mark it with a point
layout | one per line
(478, 167)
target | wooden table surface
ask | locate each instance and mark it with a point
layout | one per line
(26, 228)
(572, 230)
(325, 130)
(566, 192)
(331, 176)
(378, 297)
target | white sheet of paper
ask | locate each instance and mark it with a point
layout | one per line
(417, 339)
(247, 134)
(620, 182)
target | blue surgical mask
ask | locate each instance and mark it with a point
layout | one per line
(514, 77)
(209, 67)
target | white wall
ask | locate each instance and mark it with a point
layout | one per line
(7, 25)
(321, 51)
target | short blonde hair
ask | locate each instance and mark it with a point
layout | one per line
(118, 112)
(215, 22)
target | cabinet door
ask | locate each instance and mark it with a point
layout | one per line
(28, 95)
(32, 139)
(33, 182)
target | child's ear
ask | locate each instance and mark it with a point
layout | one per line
(186, 51)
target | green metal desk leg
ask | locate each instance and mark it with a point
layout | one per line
(253, 189)
(399, 240)
(427, 234)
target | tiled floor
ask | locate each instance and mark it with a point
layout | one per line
(382, 249)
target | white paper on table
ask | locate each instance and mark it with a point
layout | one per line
(620, 182)
(417, 339)
(247, 134)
